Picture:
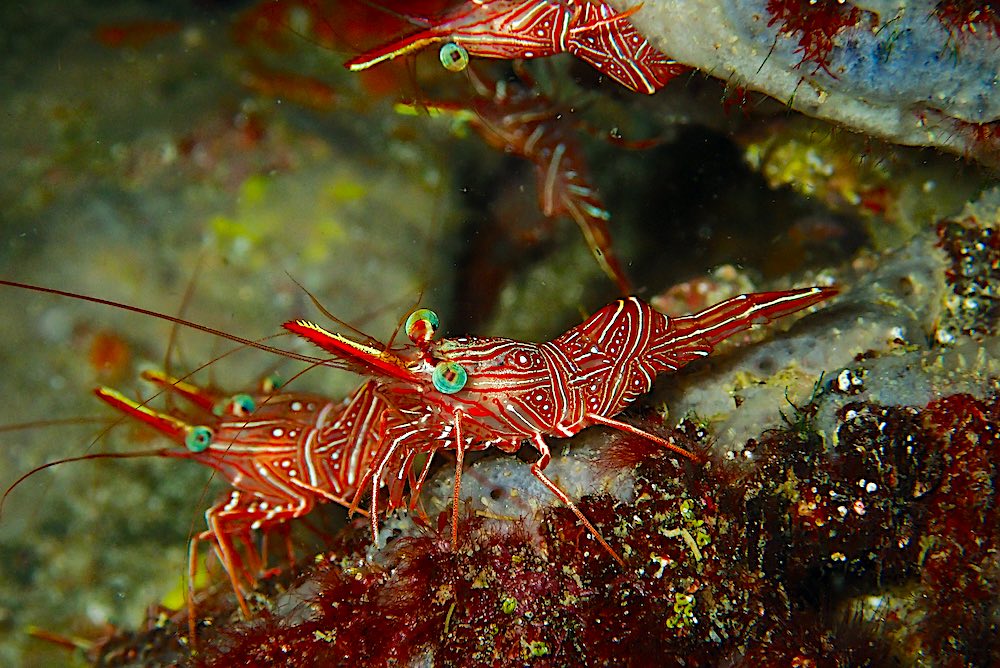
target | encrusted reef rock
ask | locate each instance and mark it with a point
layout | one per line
(913, 71)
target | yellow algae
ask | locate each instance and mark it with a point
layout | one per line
(254, 189)
(819, 162)
(345, 190)
(743, 379)
(176, 598)
(323, 235)
(235, 236)
(460, 118)
(899, 192)
(271, 212)
(683, 611)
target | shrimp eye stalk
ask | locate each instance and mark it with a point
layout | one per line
(239, 405)
(454, 57)
(198, 439)
(243, 405)
(422, 325)
(449, 377)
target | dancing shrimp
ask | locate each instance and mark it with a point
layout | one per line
(471, 393)
(281, 452)
(592, 30)
(515, 118)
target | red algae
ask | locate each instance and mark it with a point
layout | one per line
(817, 24)
(491, 599)
(305, 91)
(984, 139)
(967, 18)
(134, 34)
(110, 356)
(959, 557)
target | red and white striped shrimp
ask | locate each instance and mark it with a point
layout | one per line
(507, 29)
(281, 452)
(471, 393)
(515, 118)
(284, 453)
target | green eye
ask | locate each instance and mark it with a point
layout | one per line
(271, 383)
(243, 405)
(449, 377)
(198, 439)
(421, 325)
(239, 405)
(454, 57)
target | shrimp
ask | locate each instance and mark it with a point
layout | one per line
(517, 119)
(471, 393)
(507, 29)
(281, 452)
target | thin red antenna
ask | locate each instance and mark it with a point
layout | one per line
(61, 422)
(322, 309)
(169, 318)
(409, 18)
(162, 452)
(185, 302)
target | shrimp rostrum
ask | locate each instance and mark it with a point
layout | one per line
(471, 393)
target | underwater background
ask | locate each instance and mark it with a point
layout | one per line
(214, 161)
